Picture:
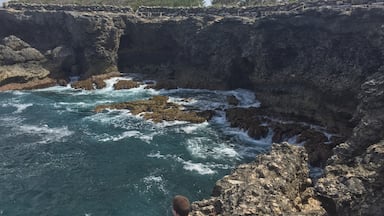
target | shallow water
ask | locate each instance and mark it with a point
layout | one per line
(58, 157)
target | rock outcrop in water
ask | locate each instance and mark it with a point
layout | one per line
(322, 65)
(157, 109)
(259, 124)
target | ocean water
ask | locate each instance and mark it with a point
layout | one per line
(58, 157)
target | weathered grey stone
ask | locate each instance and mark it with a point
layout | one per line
(15, 43)
(356, 188)
(275, 184)
(20, 63)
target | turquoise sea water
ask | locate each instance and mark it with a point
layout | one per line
(58, 157)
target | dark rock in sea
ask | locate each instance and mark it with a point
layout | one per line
(157, 109)
(62, 82)
(258, 122)
(232, 100)
(83, 84)
(94, 82)
(274, 184)
(125, 84)
(206, 114)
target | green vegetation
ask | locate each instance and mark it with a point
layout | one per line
(249, 2)
(132, 3)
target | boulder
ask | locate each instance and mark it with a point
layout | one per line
(15, 43)
(13, 51)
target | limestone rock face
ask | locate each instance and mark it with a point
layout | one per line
(274, 184)
(21, 64)
(13, 50)
(356, 188)
(74, 43)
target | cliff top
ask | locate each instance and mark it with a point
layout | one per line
(259, 11)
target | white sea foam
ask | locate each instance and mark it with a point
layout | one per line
(45, 133)
(170, 123)
(246, 98)
(116, 118)
(182, 101)
(17, 92)
(56, 88)
(203, 147)
(154, 181)
(243, 136)
(202, 169)
(151, 178)
(224, 151)
(147, 137)
(191, 128)
(19, 107)
(197, 148)
(158, 155)
(124, 135)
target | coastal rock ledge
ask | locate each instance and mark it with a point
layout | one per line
(276, 183)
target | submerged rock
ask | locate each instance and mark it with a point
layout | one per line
(276, 183)
(157, 109)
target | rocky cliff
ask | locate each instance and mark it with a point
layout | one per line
(321, 66)
(272, 185)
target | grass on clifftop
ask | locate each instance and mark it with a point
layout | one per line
(132, 3)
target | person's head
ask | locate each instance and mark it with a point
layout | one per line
(180, 206)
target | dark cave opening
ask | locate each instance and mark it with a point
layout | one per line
(240, 70)
(145, 48)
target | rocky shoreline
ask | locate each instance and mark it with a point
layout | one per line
(317, 66)
(276, 183)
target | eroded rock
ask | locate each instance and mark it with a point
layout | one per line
(94, 82)
(356, 188)
(259, 123)
(125, 84)
(157, 109)
(276, 183)
(21, 65)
